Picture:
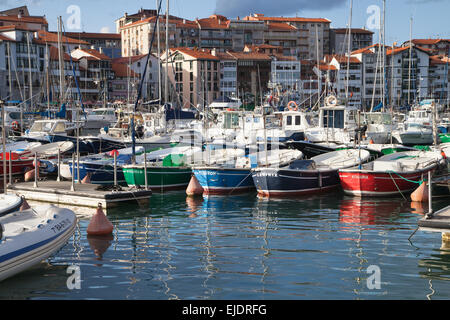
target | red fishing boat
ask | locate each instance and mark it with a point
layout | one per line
(19, 164)
(391, 175)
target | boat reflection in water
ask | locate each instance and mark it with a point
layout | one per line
(371, 211)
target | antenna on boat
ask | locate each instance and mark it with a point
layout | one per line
(2, 104)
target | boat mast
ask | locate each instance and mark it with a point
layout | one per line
(47, 78)
(319, 73)
(159, 59)
(349, 51)
(61, 62)
(29, 69)
(384, 55)
(410, 61)
(4, 146)
(166, 75)
(9, 70)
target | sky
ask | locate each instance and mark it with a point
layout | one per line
(430, 17)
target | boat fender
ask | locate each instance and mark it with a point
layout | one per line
(87, 179)
(25, 205)
(194, 188)
(421, 193)
(100, 225)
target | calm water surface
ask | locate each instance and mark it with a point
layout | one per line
(243, 248)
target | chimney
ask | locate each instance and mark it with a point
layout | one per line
(184, 21)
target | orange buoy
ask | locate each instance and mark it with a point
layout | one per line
(421, 193)
(371, 141)
(87, 179)
(100, 225)
(25, 205)
(194, 188)
(29, 176)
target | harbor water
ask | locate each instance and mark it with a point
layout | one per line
(245, 248)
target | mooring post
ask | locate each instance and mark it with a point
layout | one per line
(145, 170)
(36, 170)
(59, 165)
(72, 188)
(10, 168)
(115, 168)
(430, 197)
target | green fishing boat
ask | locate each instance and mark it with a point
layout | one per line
(445, 137)
(170, 174)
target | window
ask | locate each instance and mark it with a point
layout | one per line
(289, 121)
(297, 120)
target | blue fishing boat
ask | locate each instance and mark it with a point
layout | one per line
(237, 177)
(100, 168)
(223, 181)
(316, 175)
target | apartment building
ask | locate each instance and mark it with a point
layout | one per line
(193, 76)
(437, 46)
(348, 88)
(21, 18)
(96, 75)
(372, 75)
(109, 43)
(407, 75)
(360, 38)
(438, 78)
(314, 33)
(136, 64)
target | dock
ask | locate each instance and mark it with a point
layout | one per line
(84, 195)
(438, 222)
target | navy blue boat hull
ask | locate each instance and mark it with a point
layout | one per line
(288, 182)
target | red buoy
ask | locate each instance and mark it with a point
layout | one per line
(100, 225)
(116, 152)
(194, 188)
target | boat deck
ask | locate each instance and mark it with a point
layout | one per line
(85, 195)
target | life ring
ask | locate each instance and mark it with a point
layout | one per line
(15, 125)
(289, 105)
(331, 100)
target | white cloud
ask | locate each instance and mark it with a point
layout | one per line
(105, 30)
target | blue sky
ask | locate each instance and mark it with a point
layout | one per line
(430, 16)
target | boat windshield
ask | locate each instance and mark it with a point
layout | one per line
(381, 118)
(333, 119)
(42, 127)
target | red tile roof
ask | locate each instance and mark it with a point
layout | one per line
(326, 67)
(196, 53)
(90, 35)
(95, 54)
(54, 54)
(345, 59)
(51, 37)
(214, 22)
(354, 31)
(123, 71)
(24, 19)
(250, 56)
(261, 17)
(278, 26)
(127, 60)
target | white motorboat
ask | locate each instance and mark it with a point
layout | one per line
(31, 236)
(9, 203)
